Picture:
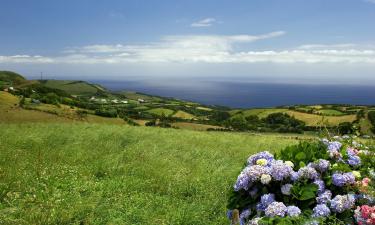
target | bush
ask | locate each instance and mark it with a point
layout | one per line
(106, 112)
(326, 182)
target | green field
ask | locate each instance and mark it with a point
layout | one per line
(161, 111)
(72, 87)
(183, 115)
(330, 112)
(109, 174)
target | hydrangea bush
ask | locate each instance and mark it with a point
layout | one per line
(323, 182)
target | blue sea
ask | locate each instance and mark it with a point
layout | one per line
(241, 94)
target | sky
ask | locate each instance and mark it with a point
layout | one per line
(290, 41)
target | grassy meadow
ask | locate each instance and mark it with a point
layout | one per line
(84, 173)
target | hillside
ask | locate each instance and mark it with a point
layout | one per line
(73, 87)
(110, 174)
(11, 78)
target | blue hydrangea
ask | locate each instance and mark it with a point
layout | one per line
(354, 160)
(340, 203)
(261, 155)
(249, 175)
(322, 165)
(276, 209)
(342, 179)
(294, 176)
(321, 210)
(245, 214)
(307, 172)
(324, 198)
(293, 211)
(280, 170)
(286, 188)
(320, 184)
(265, 200)
(334, 146)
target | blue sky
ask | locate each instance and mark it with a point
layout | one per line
(290, 40)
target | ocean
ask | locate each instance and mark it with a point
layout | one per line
(242, 94)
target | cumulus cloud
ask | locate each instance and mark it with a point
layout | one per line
(204, 49)
(207, 22)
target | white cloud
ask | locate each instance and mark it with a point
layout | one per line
(207, 22)
(370, 1)
(205, 49)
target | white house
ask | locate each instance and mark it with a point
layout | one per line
(115, 101)
(140, 100)
(125, 102)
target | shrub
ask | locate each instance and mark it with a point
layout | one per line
(326, 182)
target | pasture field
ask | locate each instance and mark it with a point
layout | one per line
(160, 111)
(316, 120)
(109, 174)
(72, 87)
(330, 112)
(183, 115)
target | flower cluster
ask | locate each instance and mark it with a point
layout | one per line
(335, 184)
(365, 215)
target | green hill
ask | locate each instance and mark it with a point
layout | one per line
(73, 87)
(112, 174)
(11, 78)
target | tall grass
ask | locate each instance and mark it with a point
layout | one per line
(111, 174)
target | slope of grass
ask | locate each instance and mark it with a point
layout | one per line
(72, 87)
(316, 120)
(183, 115)
(11, 77)
(331, 112)
(108, 174)
(160, 111)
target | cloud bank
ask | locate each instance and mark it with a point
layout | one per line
(204, 49)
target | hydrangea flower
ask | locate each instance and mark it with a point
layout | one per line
(321, 210)
(322, 165)
(286, 188)
(342, 179)
(252, 160)
(294, 176)
(280, 170)
(324, 198)
(248, 175)
(320, 184)
(265, 179)
(262, 162)
(245, 214)
(276, 209)
(293, 211)
(289, 163)
(340, 203)
(265, 200)
(254, 221)
(307, 172)
(354, 160)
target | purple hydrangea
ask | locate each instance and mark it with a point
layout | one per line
(280, 170)
(276, 209)
(245, 214)
(321, 210)
(261, 155)
(340, 203)
(294, 176)
(322, 165)
(320, 184)
(293, 211)
(334, 146)
(265, 200)
(325, 197)
(307, 172)
(342, 179)
(248, 175)
(354, 160)
(286, 188)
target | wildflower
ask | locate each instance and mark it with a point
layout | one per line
(342, 179)
(265, 179)
(321, 210)
(276, 209)
(340, 203)
(286, 188)
(293, 211)
(324, 198)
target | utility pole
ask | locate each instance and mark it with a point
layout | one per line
(41, 76)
